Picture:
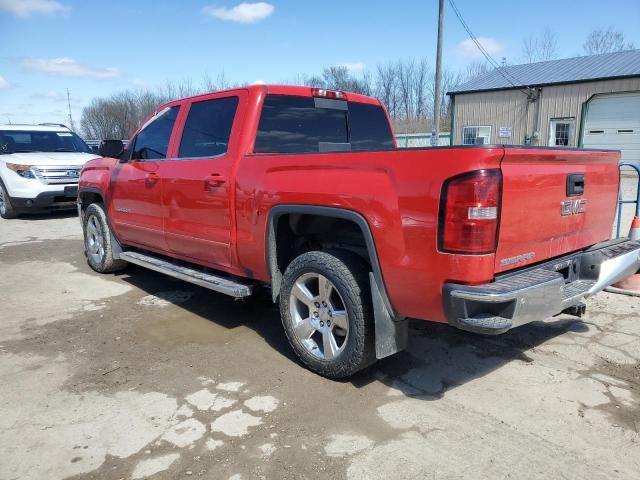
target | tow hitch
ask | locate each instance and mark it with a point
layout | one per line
(576, 310)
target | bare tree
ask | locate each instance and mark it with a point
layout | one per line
(474, 70)
(450, 80)
(337, 78)
(340, 78)
(405, 87)
(542, 47)
(610, 40)
(366, 83)
(219, 83)
(314, 81)
(422, 85)
(119, 115)
(387, 88)
(405, 73)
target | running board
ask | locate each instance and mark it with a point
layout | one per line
(206, 280)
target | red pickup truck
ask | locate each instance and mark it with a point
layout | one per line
(303, 189)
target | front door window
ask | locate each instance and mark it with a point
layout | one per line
(152, 142)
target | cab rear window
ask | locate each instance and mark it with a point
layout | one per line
(290, 124)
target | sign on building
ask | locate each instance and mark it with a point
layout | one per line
(505, 132)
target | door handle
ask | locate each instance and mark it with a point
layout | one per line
(213, 181)
(151, 179)
(575, 184)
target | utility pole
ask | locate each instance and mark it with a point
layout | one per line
(69, 104)
(435, 129)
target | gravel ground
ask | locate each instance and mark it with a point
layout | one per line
(137, 375)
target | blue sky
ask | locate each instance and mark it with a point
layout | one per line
(96, 48)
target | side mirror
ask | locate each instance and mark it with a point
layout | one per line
(111, 148)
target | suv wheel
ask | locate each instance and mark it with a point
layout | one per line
(326, 311)
(6, 209)
(97, 241)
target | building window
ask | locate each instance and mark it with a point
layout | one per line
(561, 132)
(476, 135)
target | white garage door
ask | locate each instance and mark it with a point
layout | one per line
(613, 121)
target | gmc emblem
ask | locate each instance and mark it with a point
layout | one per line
(573, 207)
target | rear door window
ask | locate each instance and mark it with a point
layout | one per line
(152, 142)
(208, 128)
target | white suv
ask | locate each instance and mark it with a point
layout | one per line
(39, 168)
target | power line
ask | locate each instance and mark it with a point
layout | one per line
(502, 71)
(486, 54)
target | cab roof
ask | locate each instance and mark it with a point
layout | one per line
(293, 90)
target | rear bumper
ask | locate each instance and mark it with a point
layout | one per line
(539, 292)
(59, 199)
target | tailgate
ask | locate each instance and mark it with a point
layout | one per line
(544, 213)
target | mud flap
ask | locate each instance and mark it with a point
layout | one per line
(391, 335)
(116, 248)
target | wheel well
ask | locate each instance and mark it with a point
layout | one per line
(87, 198)
(297, 233)
(296, 229)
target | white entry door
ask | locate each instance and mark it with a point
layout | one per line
(562, 132)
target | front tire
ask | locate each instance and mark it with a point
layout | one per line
(97, 241)
(6, 208)
(326, 311)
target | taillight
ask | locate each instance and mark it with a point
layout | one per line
(470, 213)
(324, 93)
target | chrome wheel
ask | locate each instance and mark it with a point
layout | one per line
(319, 316)
(95, 239)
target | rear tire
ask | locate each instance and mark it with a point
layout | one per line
(326, 311)
(97, 241)
(6, 209)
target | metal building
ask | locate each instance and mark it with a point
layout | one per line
(591, 101)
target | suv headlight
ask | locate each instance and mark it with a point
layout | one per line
(23, 170)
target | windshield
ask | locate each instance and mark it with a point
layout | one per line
(19, 141)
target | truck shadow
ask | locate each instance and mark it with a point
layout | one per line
(257, 312)
(439, 357)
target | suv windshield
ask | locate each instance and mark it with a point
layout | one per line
(19, 141)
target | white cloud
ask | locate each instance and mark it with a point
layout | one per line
(241, 13)
(25, 8)
(138, 82)
(67, 67)
(259, 82)
(3, 83)
(468, 49)
(353, 67)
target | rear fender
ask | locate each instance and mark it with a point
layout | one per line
(390, 329)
